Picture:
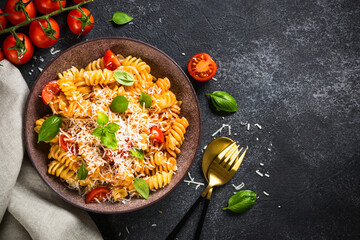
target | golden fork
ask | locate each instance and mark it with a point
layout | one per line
(226, 159)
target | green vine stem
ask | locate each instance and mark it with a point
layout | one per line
(13, 28)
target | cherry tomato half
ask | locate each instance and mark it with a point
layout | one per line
(18, 17)
(111, 61)
(1, 55)
(12, 55)
(3, 21)
(201, 67)
(48, 6)
(64, 141)
(99, 193)
(157, 134)
(75, 25)
(49, 90)
(38, 36)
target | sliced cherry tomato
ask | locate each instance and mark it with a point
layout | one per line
(1, 55)
(38, 36)
(18, 17)
(157, 134)
(99, 193)
(12, 54)
(111, 61)
(75, 24)
(64, 141)
(49, 91)
(3, 21)
(201, 67)
(48, 6)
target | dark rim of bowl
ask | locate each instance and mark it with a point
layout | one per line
(27, 145)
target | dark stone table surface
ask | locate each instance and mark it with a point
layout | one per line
(294, 69)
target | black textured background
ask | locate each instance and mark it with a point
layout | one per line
(293, 67)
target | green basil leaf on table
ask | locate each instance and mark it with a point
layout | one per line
(121, 18)
(50, 128)
(82, 172)
(98, 132)
(124, 78)
(119, 104)
(142, 187)
(223, 101)
(102, 119)
(145, 100)
(138, 153)
(113, 127)
(241, 201)
(109, 140)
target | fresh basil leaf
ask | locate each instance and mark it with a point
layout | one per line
(98, 132)
(50, 128)
(145, 99)
(121, 18)
(142, 187)
(82, 172)
(223, 101)
(119, 104)
(102, 119)
(109, 140)
(113, 127)
(241, 201)
(138, 153)
(124, 78)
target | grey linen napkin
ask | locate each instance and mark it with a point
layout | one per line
(29, 209)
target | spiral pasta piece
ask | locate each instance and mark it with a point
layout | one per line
(139, 64)
(118, 193)
(175, 137)
(163, 84)
(58, 169)
(96, 77)
(71, 161)
(165, 100)
(97, 64)
(159, 180)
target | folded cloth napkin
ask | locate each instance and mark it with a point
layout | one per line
(29, 209)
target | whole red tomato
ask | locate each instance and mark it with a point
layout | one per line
(3, 21)
(18, 17)
(38, 36)
(48, 6)
(12, 54)
(76, 25)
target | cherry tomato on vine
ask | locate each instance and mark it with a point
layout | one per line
(48, 6)
(18, 17)
(49, 91)
(157, 134)
(201, 67)
(111, 61)
(3, 21)
(76, 20)
(1, 55)
(39, 37)
(12, 54)
(99, 193)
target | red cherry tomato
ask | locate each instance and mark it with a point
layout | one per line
(201, 67)
(77, 1)
(3, 21)
(48, 6)
(64, 141)
(99, 193)
(18, 17)
(49, 90)
(111, 61)
(1, 55)
(38, 36)
(157, 134)
(12, 55)
(75, 25)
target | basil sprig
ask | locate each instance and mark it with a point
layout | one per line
(142, 187)
(119, 104)
(223, 101)
(145, 100)
(121, 18)
(106, 133)
(82, 172)
(50, 128)
(124, 78)
(138, 153)
(241, 201)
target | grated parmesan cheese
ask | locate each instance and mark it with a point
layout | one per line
(266, 193)
(192, 181)
(258, 126)
(215, 79)
(261, 164)
(237, 188)
(267, 175)
(154, 225)
(53, 51)
(259, 173)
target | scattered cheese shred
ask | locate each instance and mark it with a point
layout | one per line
(221, 128)
(266, 193)
(248, 126)
(127, 229)
(258, 126)
(192, 181)
(53, 51)
(215, 79)
(237, 188)
(261, 164)
(267, 175)
(259, 173)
